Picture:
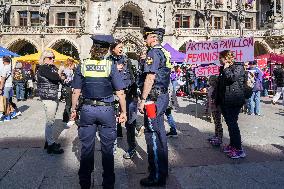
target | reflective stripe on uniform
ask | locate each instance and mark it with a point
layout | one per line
(155, 148)
(167, 55)
(96, 68)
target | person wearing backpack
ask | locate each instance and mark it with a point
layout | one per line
(19, 80)
(6, 89)
(254, 100)
(230, 96)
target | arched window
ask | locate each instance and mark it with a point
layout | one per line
(130, 16)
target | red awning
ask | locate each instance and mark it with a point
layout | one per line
(273, 57)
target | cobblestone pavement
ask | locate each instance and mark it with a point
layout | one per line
(193, 162)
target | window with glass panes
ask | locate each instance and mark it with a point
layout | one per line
(23, 15)
(35, 19)
(72, 19)
(248, 23)
(218, 23)
(182, 21)
(61, 19)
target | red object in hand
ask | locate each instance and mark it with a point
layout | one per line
(150, 109)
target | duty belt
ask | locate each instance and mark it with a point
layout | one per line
(97, 103)
(161, 90)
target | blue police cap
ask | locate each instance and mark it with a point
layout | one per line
(158, 31)
(102, 40)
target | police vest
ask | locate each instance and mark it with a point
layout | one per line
(163, 76)
(97, 82)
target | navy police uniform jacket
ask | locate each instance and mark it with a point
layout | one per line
(157, 62)
(98, 79)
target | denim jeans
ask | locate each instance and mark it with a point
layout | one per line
(20, 90)
(175, 85)
(231, 116)
(265, 84)
(254, 103)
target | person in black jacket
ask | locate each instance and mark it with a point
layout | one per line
(48, 84)
(231, 97)
(279, 78)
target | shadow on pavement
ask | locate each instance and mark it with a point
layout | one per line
(23, 108)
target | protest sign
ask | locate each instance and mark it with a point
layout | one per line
(206, 71)
(206, 52)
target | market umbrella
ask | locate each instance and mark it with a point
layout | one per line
(6, 52)
(34, 58)
(176, 56)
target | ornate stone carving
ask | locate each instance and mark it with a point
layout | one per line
(82, 15)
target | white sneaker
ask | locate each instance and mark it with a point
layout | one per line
(19, 113)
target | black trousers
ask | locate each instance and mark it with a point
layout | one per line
(231, 116)
(68, 104)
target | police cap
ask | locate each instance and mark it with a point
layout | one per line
(103, 41)
(158, 31)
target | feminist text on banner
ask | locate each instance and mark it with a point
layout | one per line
(206, 71)
(206, 52)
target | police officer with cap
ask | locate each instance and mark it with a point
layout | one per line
(157, 70)
(96, 79)
(125, 68)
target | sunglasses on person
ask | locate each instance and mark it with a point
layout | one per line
(51, 58)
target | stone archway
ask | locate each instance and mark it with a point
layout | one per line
(133, 46)
(65, 47)
(23, 46)
(260, 48)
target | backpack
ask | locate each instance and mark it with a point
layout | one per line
(249, 84)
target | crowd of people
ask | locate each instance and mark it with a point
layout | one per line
(92, 90)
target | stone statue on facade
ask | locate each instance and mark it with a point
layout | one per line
(160, 16)
(43, 12)
(4, 9)
(82, 16)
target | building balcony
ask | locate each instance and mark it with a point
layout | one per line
(52, 2)
(31, 30)
(201, 32)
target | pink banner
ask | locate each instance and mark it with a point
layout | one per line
(206, 71)
(206, 52)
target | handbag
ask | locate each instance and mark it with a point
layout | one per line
(2, 104)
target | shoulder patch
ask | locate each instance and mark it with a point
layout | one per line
(149, 60)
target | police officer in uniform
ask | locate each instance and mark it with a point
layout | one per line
(125, 68)
(96, 79)
(157, 70)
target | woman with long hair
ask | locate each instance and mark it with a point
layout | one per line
(125, 68)
(231, 97)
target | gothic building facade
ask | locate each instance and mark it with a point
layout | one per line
(28, 26)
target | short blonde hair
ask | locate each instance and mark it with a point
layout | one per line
(45, 54)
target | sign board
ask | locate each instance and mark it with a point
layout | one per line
(206, 52)
(207, 71)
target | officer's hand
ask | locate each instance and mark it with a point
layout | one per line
(122, 117)
(73, 116)
(141, 106)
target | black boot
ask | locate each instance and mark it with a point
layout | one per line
(46, 145)
(149, 182)
(54, 149)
